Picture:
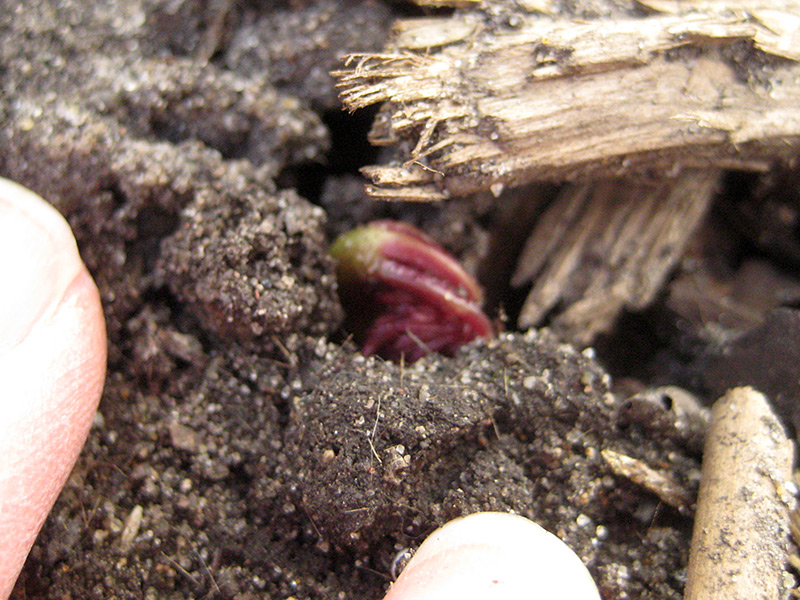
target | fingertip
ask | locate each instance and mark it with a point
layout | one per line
(52, 367)
(493, 556)
(51, 385)
(40, 261)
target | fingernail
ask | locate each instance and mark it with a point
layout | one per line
(493, 556)
(38, 261)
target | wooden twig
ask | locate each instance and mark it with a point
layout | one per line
(741, 532)
(473, 104)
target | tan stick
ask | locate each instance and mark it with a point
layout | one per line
(741, 530)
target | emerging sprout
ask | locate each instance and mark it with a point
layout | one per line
(404, 295)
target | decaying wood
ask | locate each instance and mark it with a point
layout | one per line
(473, 104)
(603, 247)
(741, 531)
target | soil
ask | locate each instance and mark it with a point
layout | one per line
(243, 447)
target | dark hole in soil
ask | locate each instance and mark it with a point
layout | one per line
(628, 350)
(405, 9)
(350, 150)
(153, 224)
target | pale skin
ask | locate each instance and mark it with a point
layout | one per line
(52, 368)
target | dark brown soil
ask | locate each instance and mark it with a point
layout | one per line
(243, 448)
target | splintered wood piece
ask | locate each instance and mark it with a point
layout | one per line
(780, 31)
(661, 484)
(472, 103)
(741, 531)
(604, 247)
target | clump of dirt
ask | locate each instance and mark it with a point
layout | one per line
(243, 448)
(382, 454)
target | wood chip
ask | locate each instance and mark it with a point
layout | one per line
(655, 482)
